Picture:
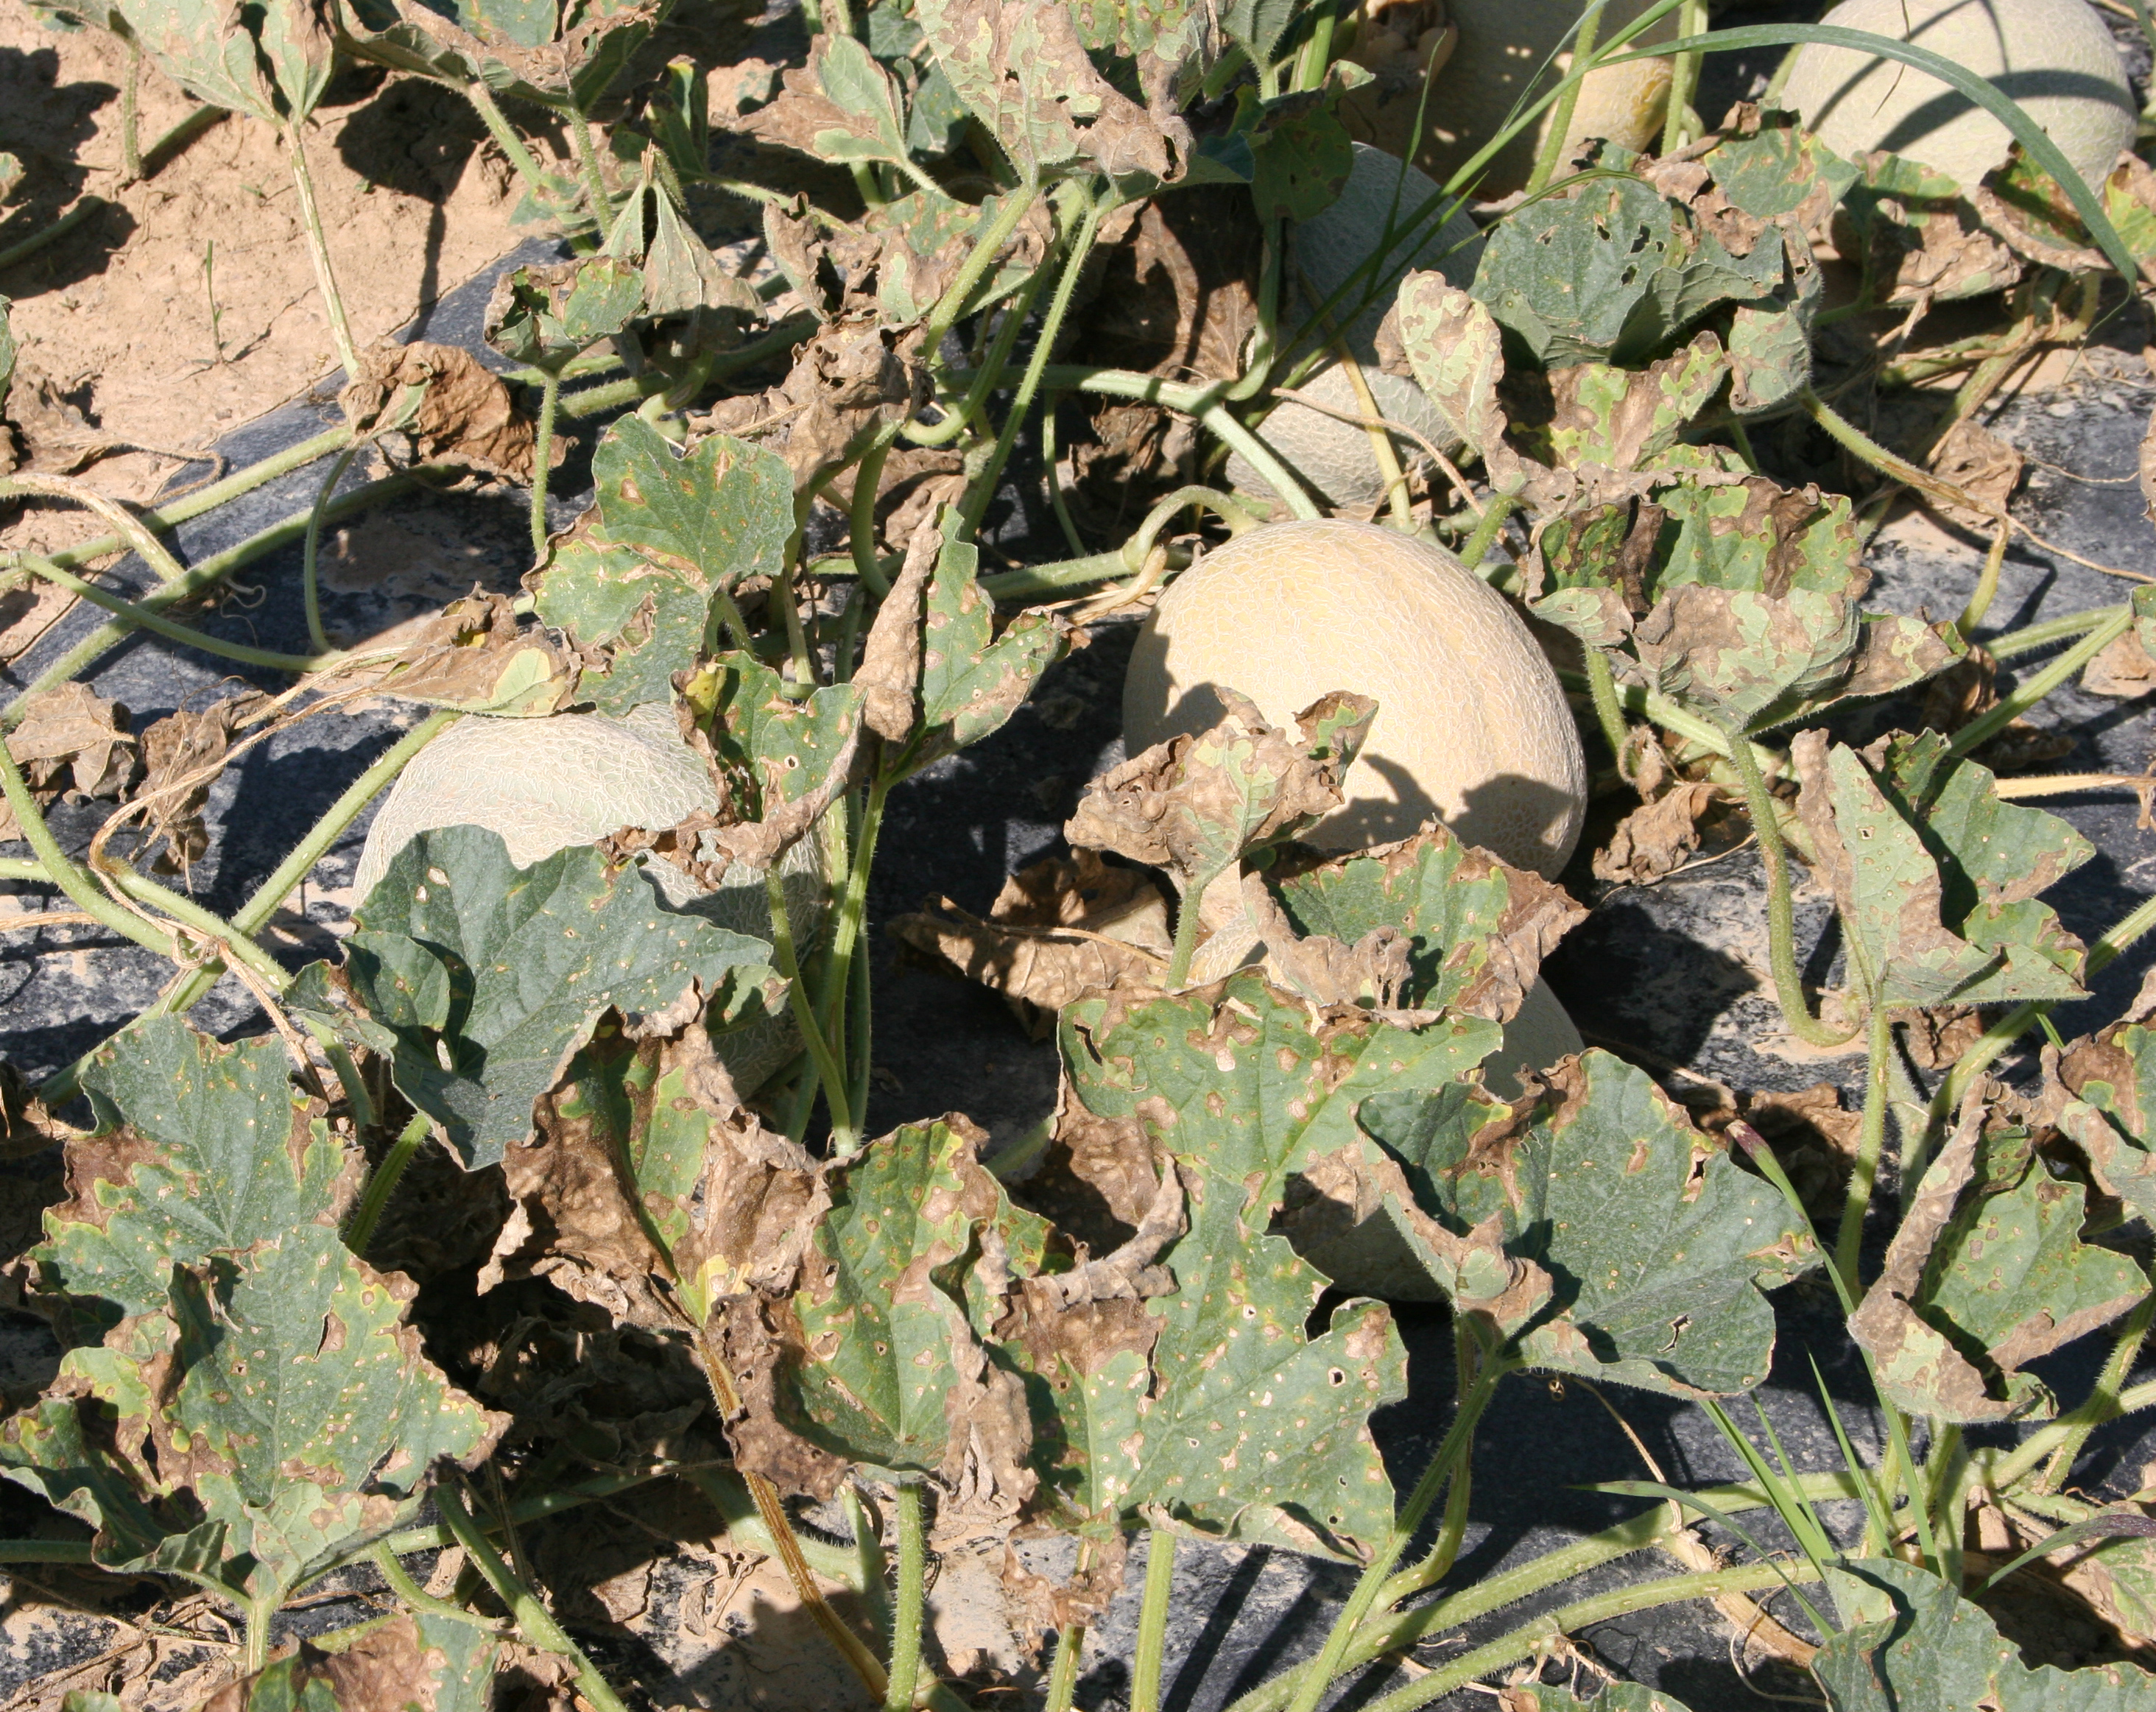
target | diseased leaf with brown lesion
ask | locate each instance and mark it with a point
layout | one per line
(1194, 805)
(479, 657)
(419, 1661)
(1656, 1245)
(198, 1149)
(1478, 930)
(1935, 878)
(2103, 1095)
(884, 1362)
(1195, 1402)
(274, 1408)
(1986, 1273)
(478, 981)
(1022, 68)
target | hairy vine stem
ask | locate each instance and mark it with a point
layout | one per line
(533, 1620)
(1153, 1620)
(381, 1183)
(318, 247)
(1781, 913)
(1567, 101)
(1864, 1171)
(907, 1618)
(982, 489)
(542, 454)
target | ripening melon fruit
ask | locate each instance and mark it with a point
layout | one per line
(545, 784)
(1497, 50)
(1540, 1033)
(1472, 726)
(2055, 58)
(1374, 213)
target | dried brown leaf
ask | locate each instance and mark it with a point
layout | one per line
(70, 742)
(890, 671)
(1174, 298)
(2124, 669)
(466, 415)
(182, 754)
(1193, 805)
(386, 1670)
(1979, 462)
(856, 375)
(739, 1340)
(1654, 840)
(478, 656)
(1040, 970)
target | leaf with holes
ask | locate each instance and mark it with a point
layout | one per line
(1022, 67)
(784, 746)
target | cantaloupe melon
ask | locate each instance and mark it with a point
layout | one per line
(1472, 726)
(1496, 53)
(1373, 216)
(2055, 58)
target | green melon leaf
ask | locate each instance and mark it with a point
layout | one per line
(1658, 1245)
(724, 512)
(1245, 1428)
(972, 680)
(1477, 929)
(1910, 1640)
(873, 126)
(199, 1149)
(426, 1663)
(892, 1363)
(785, 747)
(1022, 66)
(481, 980)
(277, 1402)
(650, 618)
(271, 62)
(546, 315)
(1935, 878)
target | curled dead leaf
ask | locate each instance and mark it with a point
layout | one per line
(1060, 928)
(1656, 839)
(480, 657)
(463, 413)
(184, 747)
(70, 742)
